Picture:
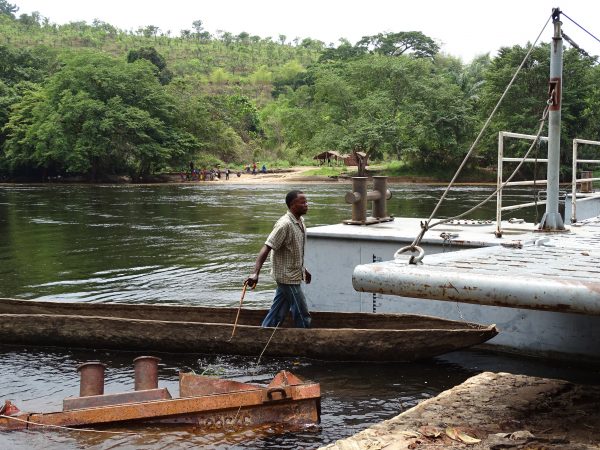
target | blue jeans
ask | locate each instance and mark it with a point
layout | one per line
(288, 297)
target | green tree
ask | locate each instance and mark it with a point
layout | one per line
(8, 8)
(97, 116)
(149, 53)
(343, 52)
(396, 44)
(523, 106)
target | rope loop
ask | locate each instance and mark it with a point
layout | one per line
(413, 249)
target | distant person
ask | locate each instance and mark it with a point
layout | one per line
(226, 173)
(263, 169)
(247, 168)
(287, 240)
(253, 168)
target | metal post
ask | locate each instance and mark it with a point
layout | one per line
(146, 372)
(552, 220)
(499, 178)
(380, 203)
(574, 184)
(358, 199)
(91, 378)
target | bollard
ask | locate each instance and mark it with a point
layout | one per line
(146, 372)
(91, 378)
(380, 197)
(359, 197)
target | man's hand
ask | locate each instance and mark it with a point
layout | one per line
(307, 276)
(252, 281)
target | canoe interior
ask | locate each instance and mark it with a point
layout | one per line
(252, 317)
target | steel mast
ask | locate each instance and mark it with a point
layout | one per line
(552, 220)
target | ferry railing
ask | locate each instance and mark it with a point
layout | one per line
(582, 196)
(500, 181)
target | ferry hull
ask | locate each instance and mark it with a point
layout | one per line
(334, 251)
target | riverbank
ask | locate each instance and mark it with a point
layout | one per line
(300, 174)
(492, 411)
(297, 174)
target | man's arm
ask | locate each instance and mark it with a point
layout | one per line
(252, 280)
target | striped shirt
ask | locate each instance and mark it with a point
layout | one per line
(287, 242)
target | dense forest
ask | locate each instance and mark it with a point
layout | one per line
(95, 101)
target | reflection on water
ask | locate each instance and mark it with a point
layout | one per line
(354, 395)
(191, 244)
(195, 244)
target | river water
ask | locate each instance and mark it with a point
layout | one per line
(195, 244)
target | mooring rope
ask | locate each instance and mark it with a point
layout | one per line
(267, 344)
(89, 430)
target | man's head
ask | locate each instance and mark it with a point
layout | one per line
(296, 203)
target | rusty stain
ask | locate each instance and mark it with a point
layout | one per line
(470, 288)
(287, 399)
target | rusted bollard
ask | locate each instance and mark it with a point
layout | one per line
(146, 372)
(91, 378)
(380, 195)
(359, 197)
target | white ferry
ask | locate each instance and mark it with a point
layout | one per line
(539, 283)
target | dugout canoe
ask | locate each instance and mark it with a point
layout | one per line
(195, 329)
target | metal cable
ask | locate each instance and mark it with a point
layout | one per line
(563, 13)
(425, 225)
(542, 122)
(573, 44)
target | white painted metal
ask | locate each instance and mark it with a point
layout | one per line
(523, 205)
(333, 251)
(575, 180)
(500, 176)
(533, 160)
(562, 279)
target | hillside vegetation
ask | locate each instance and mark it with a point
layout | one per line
(93, 100)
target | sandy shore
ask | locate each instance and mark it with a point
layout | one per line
(299, 174)
(291, 175)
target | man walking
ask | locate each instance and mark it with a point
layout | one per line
(287, 240)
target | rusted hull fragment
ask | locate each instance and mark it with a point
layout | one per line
(286, 403)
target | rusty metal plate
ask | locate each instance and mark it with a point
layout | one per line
(115, 399)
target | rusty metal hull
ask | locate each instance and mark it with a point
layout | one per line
(334, 336)
(286, 400)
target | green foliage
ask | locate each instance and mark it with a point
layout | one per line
(149, 53)
(70, 103)
(396, 44)
(327, 171)
(8, 9)
(97, 116)
(402, 106)
(523, 106)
